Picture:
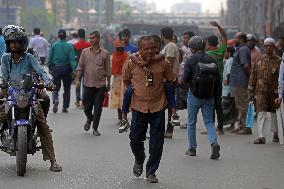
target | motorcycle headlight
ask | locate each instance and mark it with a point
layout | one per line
(22, 99)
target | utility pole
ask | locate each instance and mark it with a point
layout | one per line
(7, 12)
(98, 12)
(54, 10)
(68, 11)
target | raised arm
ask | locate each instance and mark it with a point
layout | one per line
(221, 30)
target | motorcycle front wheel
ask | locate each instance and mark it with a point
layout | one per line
(22, 148)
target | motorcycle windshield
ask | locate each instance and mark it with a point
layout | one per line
(22, 82)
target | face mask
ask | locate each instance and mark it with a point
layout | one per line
(119, 49)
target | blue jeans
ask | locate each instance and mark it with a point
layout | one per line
(64, 73)
(169, 91)
(207, 108)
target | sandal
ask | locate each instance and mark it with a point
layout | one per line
(259, 141)
(236, 130)
(244, 131)
(55, 168)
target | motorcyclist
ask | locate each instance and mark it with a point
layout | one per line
(17, 62)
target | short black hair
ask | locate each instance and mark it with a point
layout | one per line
(1, 31)
(36, 31)
(144, 38)
(61, 34)
(126, 32)
(120, 35)
(156, 38)
(213, 40)
(243, 37)
(167, 32)
(81, 33)
(231, 50)
(96, 33)
(189, 33)
(74, 35)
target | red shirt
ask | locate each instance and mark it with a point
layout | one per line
(82, 44)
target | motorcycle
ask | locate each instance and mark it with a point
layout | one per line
(19, 136)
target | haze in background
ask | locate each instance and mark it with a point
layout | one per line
(214, 6)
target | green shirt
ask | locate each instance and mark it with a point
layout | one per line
(218, 54)
(62, 53)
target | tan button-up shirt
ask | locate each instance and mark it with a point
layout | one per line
(95, 66)
(147, 99)
(264, 82)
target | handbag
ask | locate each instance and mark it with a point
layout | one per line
(280, 124)
(250, 114)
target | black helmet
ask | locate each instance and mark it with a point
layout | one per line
(197, 43)
(15, 33)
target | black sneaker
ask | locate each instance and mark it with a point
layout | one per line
(152, 178)
(64, 110)
(215, 151)
(96, 133)
(87, 125)
(55, 107)
(123, 126)
(191, 152)
(137, 169)
(175, 120)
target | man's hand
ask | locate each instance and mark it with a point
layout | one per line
(250, 95)
(108, 87)
(77, 82)
(50, 87)
(277, 102)
(214, 24)
(226, 83)
(74, 75)
(39, 91)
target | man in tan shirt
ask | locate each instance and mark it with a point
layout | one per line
(148, 107)
(94, 64)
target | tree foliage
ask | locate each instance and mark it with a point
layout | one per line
(31, 18)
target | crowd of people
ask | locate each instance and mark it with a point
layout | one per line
(218, 75)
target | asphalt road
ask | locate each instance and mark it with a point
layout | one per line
(106, 161)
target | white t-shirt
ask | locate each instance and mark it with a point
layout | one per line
(40, 45)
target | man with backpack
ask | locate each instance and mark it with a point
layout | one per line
(202, 73)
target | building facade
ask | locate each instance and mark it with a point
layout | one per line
(260, 17)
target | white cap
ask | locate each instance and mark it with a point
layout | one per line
(269, 40)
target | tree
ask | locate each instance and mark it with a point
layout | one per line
(35, 17)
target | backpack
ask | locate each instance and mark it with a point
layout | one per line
(204, 80)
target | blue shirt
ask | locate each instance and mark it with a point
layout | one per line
(130, 48)
(2, 46)
(27, 64)
(238, 76)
